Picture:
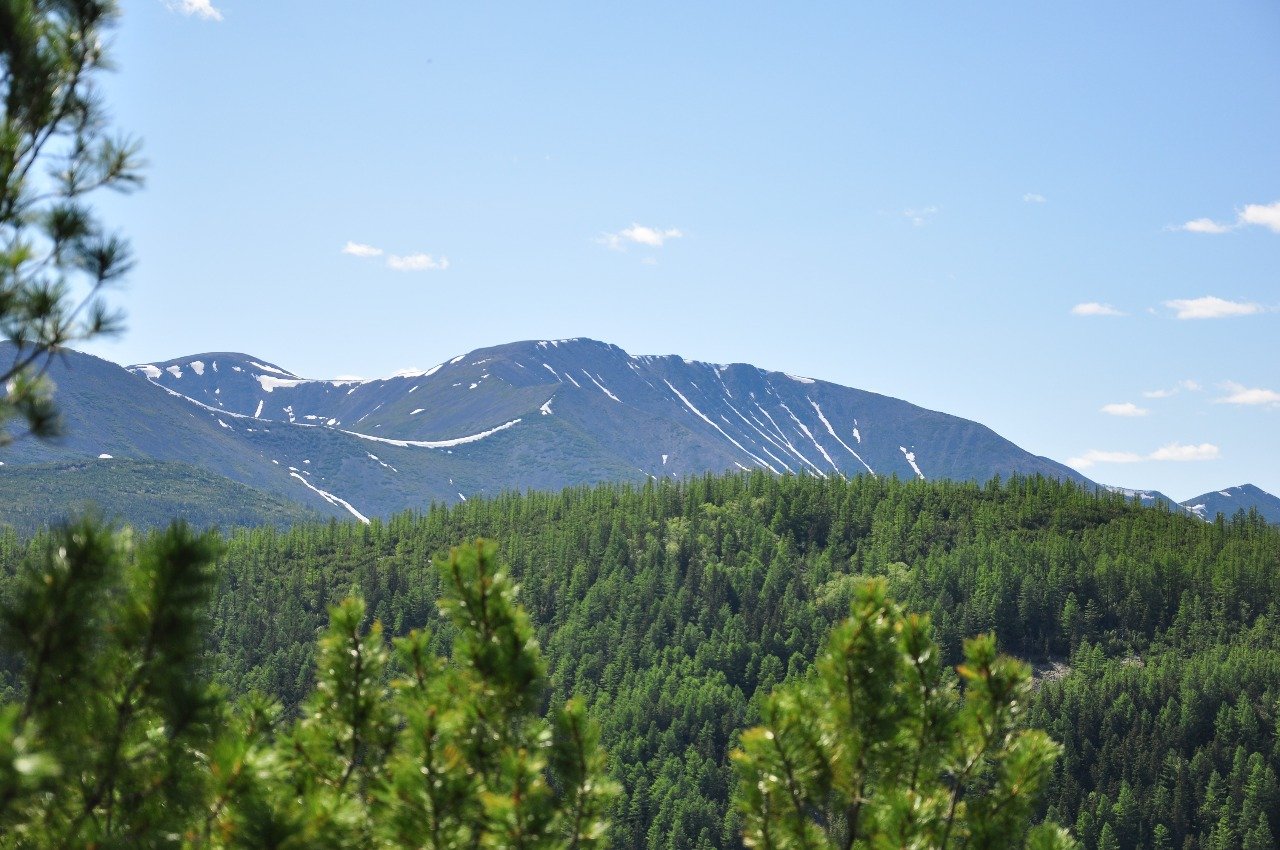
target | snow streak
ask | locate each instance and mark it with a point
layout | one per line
(704, 418)
(336, 501)
(833, 433)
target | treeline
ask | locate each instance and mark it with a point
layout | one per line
(671, 606)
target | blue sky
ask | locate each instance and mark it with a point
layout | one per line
(914, 199)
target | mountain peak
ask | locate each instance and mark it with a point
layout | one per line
(1228, 501)
(214, 362)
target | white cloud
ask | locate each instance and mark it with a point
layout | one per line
(1034, 198)
(639, 234)
(920, 216)
(358, 249)
(1264, 215)
(1210, 307)
(1259, 215)
(1094, 456)
(1203, 225)
(1127, 408)
(198, 8)
(1249, 396)
(1172, 452)
(1093, 308)
(1178, 452)
(417, 263)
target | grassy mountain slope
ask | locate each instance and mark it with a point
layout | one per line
(142, 493)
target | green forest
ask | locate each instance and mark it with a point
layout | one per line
(671, 609)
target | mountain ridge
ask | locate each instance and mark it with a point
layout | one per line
(533, 414)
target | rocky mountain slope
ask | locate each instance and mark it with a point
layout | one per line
(537, 414)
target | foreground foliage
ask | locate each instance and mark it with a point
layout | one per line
(877, 749)
(118, 741)
(674, 608)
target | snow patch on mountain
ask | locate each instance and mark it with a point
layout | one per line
(911, 459)
(267, 368)
(787, 444)
(704, 418)
(436, 444)
(337, 501)
(812, 439)
(269, 384)
(602, 387)
(832, 432)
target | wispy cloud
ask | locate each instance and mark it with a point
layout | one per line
(1238, 394)
(1126, 408)
(417, 263)
(1188, 385)
(1175, 452)
(359, 249)
(1093, 308)
(1250, 215)
(197, 8)
(920, 216)
(1211, 307)
(397, 262)
(1096, 456)
(639, 234)
(1034, 198)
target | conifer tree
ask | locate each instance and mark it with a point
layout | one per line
(876, 747)
(56, 149)
(103, 747)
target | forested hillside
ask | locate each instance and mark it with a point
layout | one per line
(669, 606)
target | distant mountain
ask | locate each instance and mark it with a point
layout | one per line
(1226, 502)
(108, 411)
(538, 414)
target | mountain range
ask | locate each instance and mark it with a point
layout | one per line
(234, 437)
